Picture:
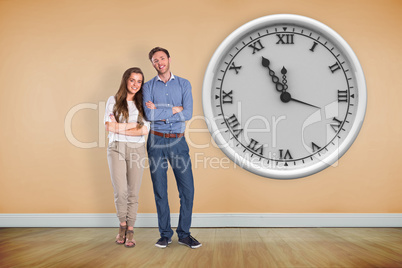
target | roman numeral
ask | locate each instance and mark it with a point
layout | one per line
(256, 46)
(227, 97)
(254, 147)
(342, 95)
(336, 125)
(285, 39)
(233, 123)
(334, 67)
(236, 132)
(234, 67)
(286, 156)
(315, 147)
(313, 47)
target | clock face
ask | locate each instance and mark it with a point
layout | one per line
(284, 96)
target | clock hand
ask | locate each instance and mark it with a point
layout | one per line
(305, 103)
(284, 81)
(286, 97)
(265, 62)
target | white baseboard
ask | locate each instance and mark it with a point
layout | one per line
(210, 220)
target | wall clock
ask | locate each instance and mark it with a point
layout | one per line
(284, 96)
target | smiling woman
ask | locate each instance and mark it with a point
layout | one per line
(124, 119)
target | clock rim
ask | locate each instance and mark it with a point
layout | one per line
(317, 27)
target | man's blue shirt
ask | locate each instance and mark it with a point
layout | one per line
(165, 96)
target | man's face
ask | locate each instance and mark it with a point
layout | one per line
(161, 62)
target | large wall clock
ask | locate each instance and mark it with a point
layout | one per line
(284, 96)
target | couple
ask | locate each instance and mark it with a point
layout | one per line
(162, 105)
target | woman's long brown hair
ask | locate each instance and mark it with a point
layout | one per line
(120, 109)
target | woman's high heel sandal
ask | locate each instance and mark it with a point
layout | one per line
(130, 242)
(121, 237)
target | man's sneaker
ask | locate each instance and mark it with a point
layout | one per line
(190, 241)
(163, 242)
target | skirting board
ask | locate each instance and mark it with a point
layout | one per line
(209, 220)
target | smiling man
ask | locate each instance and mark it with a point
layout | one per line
(168, 103)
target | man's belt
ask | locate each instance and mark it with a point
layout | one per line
(167, 135)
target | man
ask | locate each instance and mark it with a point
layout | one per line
(168, 103)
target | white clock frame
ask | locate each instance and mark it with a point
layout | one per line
(315, 26)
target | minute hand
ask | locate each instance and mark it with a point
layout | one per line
(278, 85)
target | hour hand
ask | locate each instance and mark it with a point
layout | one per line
(279, 87)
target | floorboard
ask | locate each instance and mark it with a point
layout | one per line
(222, 247)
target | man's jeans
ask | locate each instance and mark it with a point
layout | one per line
(175, 151)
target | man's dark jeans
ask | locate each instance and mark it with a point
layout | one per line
(175, 151)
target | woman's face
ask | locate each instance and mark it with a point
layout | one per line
(134, 83)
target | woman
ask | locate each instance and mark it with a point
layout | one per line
(124, 119)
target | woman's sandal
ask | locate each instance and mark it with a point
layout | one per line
(130, 242)
(121, 237)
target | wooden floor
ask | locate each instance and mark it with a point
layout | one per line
(222, 247)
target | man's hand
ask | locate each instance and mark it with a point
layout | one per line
(177, 109)
(150, 105)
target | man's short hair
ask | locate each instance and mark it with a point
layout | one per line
(156, 49)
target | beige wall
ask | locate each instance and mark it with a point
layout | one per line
(55, 55)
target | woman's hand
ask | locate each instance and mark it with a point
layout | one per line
(112, 118)
(115, 127)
